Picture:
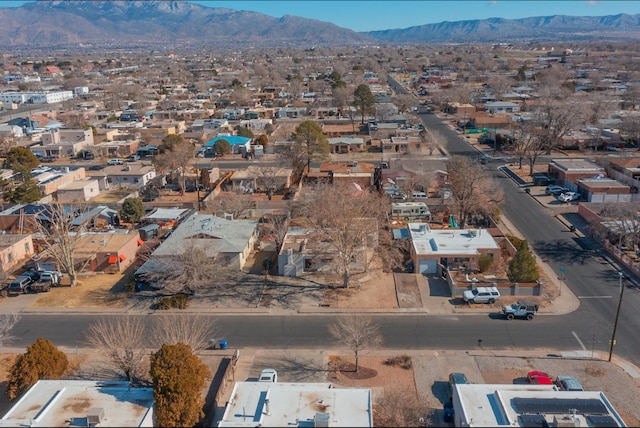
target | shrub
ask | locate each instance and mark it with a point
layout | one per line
(178, 378)
(178, 301)
(484, 262)
(403, 361)
(42, 360)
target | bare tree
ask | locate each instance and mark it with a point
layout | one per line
(631, 126)
(277, 226)
(527, 144)
(400, 407)
(356, 332)
(474, 191)
(233, 204)
(557, 109)
(122, 340)
(191, 268)
(270, 178)
(61, 235)
(176, 159)
(193, 330)
(7, 322)
(500, 85)
(431, 139)
(346, 218)
(622, 227)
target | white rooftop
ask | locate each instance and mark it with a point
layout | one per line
(281, 404)
(487, 405)
(58, 403)
(449, 241)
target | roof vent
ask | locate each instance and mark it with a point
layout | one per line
(95, 416)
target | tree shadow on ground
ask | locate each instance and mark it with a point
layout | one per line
(299, 368)
(563, 252)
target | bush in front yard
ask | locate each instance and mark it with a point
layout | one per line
(178, 301)
(484, 262)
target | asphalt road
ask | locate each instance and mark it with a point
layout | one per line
(581, 261)
(399, 331)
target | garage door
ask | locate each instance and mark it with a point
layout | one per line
(427, 266)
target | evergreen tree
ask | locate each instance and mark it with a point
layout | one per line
(222, 147)
(20, 159)
(42, 360)
(178, 377)
(25, 192)
(243, 131)
(523, 267)
(310, 143)
(363, 100)
(132, 210)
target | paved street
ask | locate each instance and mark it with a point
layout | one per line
(591, 276)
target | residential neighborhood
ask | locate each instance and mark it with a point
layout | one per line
(210, 209)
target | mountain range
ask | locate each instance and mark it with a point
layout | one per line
(180, 24)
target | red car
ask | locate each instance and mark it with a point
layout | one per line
(539, 378)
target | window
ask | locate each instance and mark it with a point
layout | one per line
(27, 248)
(10, 257)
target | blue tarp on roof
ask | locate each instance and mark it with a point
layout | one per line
(234, 140)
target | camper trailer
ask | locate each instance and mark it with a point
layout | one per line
(410, 211)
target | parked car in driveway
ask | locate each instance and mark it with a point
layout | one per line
(455, 379)
(268, 375)
(542, 179)
(49, 275)
(20, 285)
(115, 161)
(567, 197)
(554, 189)
(539, 378)
(568, 383)
(481, 295)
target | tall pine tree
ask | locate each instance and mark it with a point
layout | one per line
(523, 267)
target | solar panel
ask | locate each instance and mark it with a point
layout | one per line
(532, 421)
(583, 406)
(602, 421)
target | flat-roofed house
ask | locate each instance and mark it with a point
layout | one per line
(568, 171)
(281, 404)
(452, 248)
(55, 403)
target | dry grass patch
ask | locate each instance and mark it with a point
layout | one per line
(95, 291)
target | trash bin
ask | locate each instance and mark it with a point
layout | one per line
(138, 286)
(222, 343)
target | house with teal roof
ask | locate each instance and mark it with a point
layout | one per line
(239, 145)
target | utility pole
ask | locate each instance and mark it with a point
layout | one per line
(615, 324)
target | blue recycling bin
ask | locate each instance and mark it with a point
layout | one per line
(223, 343)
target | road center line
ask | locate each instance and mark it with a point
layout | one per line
(594, 297)
(584, 348)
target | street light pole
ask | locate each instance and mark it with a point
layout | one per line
(615, 324)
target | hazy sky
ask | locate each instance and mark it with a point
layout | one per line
(389, 14)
